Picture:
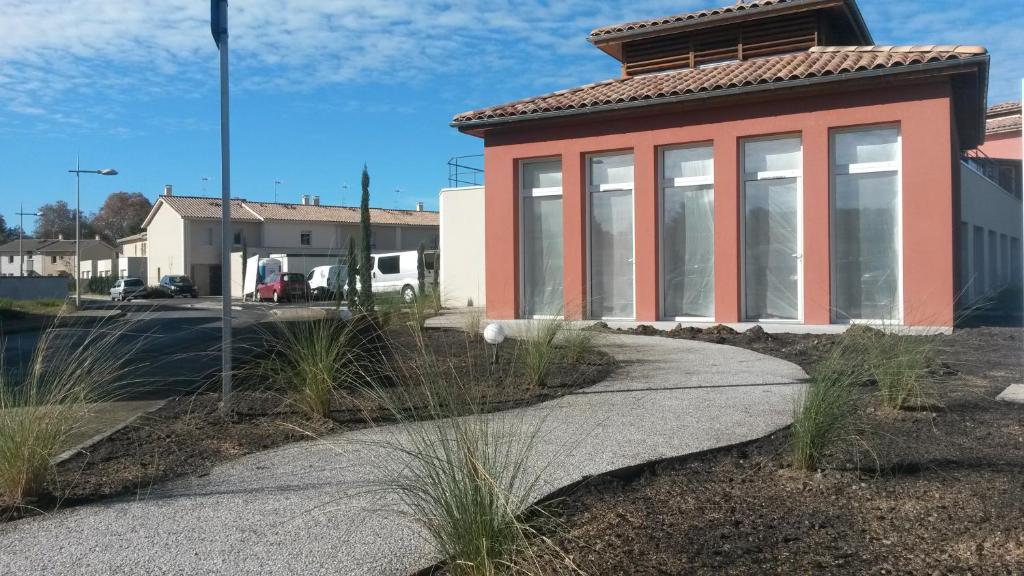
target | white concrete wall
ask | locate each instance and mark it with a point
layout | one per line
(132, 267)
(166, 237)
(462, 246)
(137, 248)
(985, 208)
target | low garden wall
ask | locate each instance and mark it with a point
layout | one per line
(33, 287)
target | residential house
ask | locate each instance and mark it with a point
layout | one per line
(131, 257)
(760, 162)
(183, 233)
(48, 257)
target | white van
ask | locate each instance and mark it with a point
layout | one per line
(324, 281)
(396, 272)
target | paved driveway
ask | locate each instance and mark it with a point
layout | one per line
(316, 508)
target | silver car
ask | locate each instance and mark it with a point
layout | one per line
(127, 288)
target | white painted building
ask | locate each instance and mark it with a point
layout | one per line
(462, 246)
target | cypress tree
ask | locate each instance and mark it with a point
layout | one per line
(365, 279)
(350, 291)
(421, 270)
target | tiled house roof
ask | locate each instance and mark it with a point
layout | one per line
(55, 247)
(206, 208)
(817, 63)
(327, 213)
(686, 17)
(1004, 117)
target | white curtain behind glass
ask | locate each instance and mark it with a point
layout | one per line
(687, 229)
(611, 236)
(865, 224)
(542, 238)
(771, 247)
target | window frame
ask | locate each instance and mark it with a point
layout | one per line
(589, 189)
(521, 195)
(866, 168)
(771, 175)
(305, 238)
(663, 184)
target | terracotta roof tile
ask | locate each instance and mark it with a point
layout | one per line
(685, 17)
(328, 213)
(207, 208)
(1004, 117)
(815, 63)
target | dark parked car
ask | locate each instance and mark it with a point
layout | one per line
(285, 287)
(178, 286)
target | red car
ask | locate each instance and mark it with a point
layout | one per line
(284, 287)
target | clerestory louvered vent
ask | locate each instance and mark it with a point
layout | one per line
(743, 41)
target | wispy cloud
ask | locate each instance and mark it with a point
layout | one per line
(59, 61)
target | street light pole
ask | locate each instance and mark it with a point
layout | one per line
(219, 29)
(78, 220)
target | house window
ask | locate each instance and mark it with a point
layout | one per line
(10, 259)
(53, 259)
(866, 224)
(209, 236)
(687, 232)
(306, 238)
(772, 171)
(237, 240)
(540, 214)
(610, 203)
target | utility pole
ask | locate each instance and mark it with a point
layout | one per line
(21, 236)
(219, 28)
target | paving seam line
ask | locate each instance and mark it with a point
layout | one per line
(104, 435)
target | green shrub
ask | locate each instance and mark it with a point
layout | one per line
(824, 410)
(100, 284)
(464, 476)
(577, 343)
(47, 404)
(314, 362)
(537, 351)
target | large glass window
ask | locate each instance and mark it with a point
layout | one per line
(772, 174)
(687, 232)
(610, 191)
(541, 229)
(865, 225)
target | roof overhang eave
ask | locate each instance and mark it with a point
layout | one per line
(474, 126)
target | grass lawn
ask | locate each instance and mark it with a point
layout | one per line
(10, 309)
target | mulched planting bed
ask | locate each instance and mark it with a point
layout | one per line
(916, 492)
(189, 435)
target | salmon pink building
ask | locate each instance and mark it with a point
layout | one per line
(762, 162)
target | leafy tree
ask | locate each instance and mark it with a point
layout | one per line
(7, 234)
(365, 280)
(122, 214)
(58, 219)
(351, 292)
(421, 270)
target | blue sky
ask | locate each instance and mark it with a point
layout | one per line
(322, 86)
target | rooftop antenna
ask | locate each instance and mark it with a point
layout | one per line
(398, 193)
(276, 184)
(205, 179)
(344, 191)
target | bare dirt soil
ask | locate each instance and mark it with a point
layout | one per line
(190, 435)
(921, 492)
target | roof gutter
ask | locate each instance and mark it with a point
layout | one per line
(875, 73)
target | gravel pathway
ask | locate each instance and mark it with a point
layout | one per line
(312, 508)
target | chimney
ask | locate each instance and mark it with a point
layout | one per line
(60, 236)
(305, 199)
(316, 200)
(97, 236)
(419, 206)
(168, 190)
